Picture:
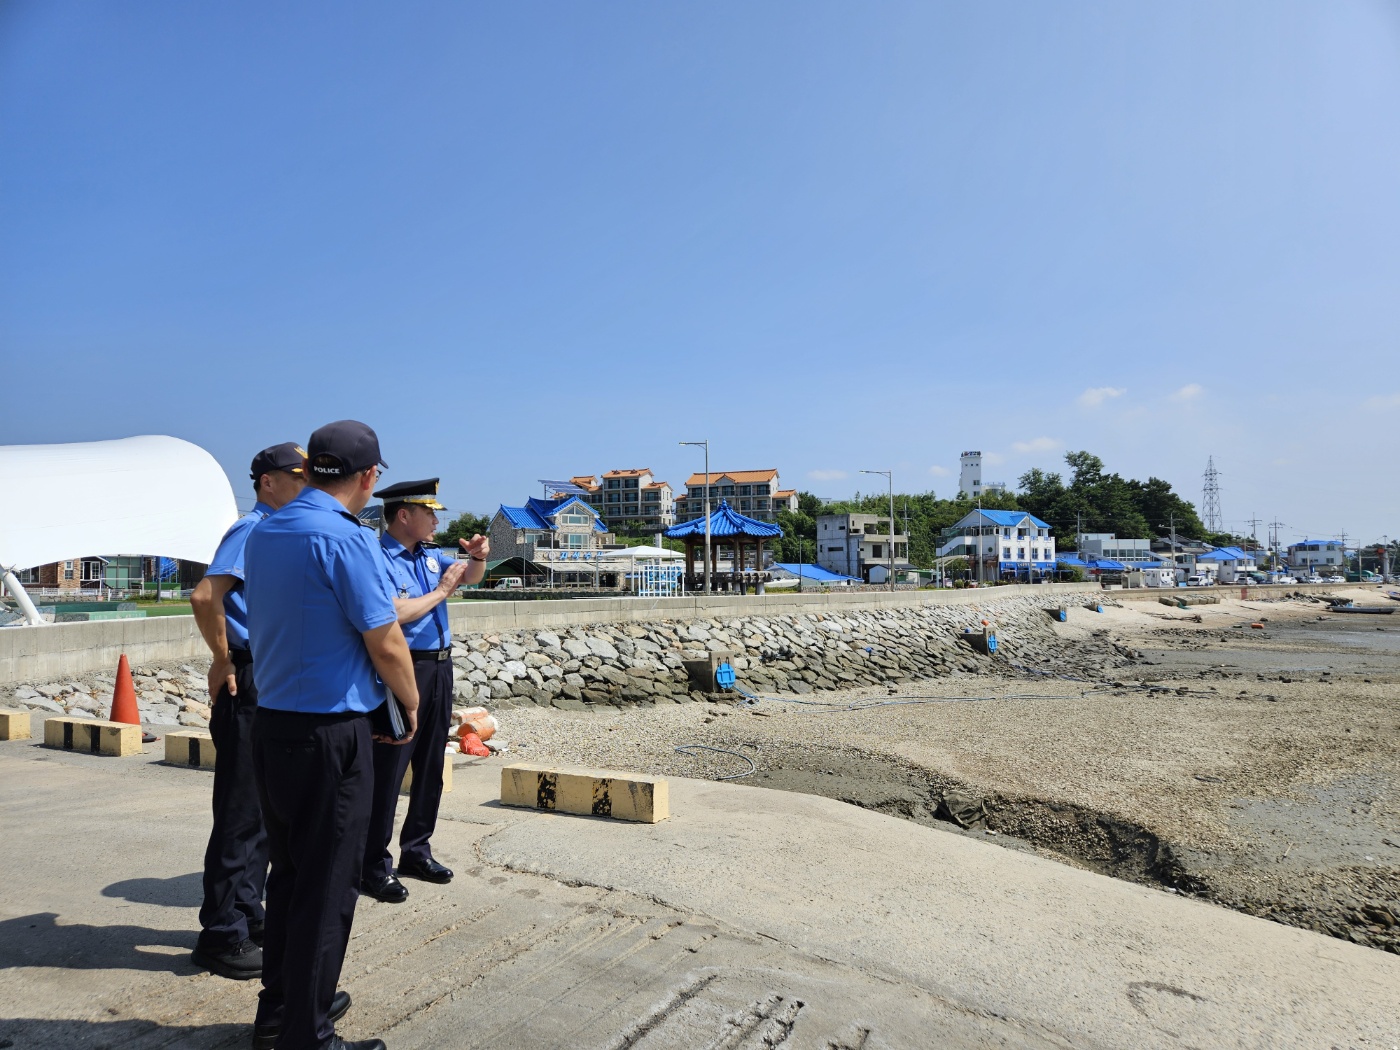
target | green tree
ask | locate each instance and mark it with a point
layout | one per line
(463, 527)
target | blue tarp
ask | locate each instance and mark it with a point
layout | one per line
(815, 573)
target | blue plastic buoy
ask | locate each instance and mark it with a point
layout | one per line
(725, 676)
(1062, 615)
(991, 643)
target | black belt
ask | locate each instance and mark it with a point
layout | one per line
(239, 657)
(431, 654)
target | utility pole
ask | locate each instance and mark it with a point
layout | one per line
(1344, 558)
(889, 476)
(1274, 526)
(706, 446)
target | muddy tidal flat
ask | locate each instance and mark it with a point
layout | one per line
(1255, 767)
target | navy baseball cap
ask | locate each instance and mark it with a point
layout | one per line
(342, 448)
(287, 456)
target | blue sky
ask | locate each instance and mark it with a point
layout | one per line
(531, 240)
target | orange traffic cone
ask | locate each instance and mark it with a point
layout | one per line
(124, 700)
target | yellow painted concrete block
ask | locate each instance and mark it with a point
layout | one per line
(115, 739)
(446, 777)
(14, 725)
(190, 747)
(594, 792)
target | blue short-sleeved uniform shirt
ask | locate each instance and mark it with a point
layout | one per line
(228, 561)
(412, 575)
(316, 582)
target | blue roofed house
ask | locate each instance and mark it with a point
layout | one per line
(1001, 544)
(1324, 557)
(546, 530)
(1226, 564)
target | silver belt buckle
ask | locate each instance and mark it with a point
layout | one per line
(443, 654)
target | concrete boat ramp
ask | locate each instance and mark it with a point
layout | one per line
(749, 919)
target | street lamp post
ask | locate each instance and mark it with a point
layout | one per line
(706, 446)
(889, 476)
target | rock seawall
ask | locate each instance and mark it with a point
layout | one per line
(641, 663)
(636, 663)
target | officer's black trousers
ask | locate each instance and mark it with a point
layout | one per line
(426, 752)
(235, 861)
(314, 776)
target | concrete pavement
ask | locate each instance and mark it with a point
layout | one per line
(751, 918)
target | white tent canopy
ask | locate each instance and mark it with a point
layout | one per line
(641, 553)
(152, 495)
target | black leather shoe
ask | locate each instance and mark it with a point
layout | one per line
(265, 1035)
(338, 1043)
(388, 889)
(428, 870)
(255, 932)
(243, 962)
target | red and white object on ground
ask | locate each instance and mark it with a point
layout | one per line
(477, 726)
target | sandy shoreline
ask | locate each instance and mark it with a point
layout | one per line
(1253, 767)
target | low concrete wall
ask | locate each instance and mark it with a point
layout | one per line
(54, 651)
(1226, 590)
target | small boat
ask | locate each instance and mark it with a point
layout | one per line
(1393, 595)
(1374, 610)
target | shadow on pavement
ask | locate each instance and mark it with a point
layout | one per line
(39, 940)
(180, 891)
(25, 1033)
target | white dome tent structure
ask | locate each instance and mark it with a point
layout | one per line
(153, 495)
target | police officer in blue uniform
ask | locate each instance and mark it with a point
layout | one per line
(235, 861)
(326, 642)
(423, 577)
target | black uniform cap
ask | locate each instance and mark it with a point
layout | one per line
(342, 448)
(287, 456)
(423, 493)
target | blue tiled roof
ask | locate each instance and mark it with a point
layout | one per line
(725, 521)
(1005, 518)
(813, 572)
(536, 513)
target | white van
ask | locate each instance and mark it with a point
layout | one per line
(507, 582)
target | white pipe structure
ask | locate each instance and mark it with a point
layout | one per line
(26, 604)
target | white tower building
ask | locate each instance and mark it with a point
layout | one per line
(970, 477)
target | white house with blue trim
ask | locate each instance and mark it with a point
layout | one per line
(1324, 557)
(1001, 544)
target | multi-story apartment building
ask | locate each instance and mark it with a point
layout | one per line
(625, 496)
(753, 493)
(853, 544)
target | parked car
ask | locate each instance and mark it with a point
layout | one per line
(510, 581)
(1334, 579)
(1314, 578)
(1200, 580)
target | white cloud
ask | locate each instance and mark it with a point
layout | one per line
(1189, 392)
(1097, 395)
(1381, 404)
(993, 459)
(1040, 444)
(827, 475)
(940, 472)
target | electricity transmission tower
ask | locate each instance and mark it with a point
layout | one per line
(1210, 499)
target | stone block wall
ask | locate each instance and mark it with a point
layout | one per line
(643, 662)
